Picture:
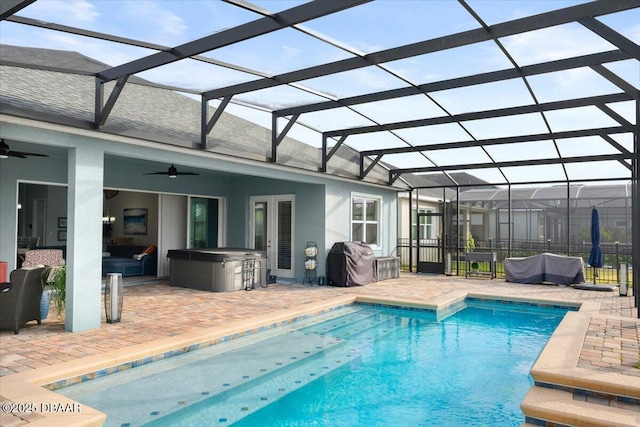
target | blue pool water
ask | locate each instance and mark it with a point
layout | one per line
(360, 365)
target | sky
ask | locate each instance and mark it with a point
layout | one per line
(370, 28)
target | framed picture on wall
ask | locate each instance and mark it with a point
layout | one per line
(62, 222)
(62, 235)
(135, 221)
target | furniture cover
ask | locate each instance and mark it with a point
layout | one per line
(20, 298)
(130, 260)
(350, 263)
(563, 270)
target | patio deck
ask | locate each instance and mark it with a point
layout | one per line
(154, 312)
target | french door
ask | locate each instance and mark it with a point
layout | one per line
(272, 226)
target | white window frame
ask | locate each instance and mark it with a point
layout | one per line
(428, 227)
(364, 221)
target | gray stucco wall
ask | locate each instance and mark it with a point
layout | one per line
(322, 210)
(338, 213)
(309, 213)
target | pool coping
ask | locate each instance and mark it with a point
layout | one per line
(559, 358)
(558, 362)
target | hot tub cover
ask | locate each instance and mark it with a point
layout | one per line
(350, 263)
(215, 254)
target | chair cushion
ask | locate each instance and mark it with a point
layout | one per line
(51, 257)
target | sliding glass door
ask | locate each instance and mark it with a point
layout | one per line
(203, 223)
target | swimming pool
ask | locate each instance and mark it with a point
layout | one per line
(359, 365)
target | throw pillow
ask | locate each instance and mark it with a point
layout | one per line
(149, 249)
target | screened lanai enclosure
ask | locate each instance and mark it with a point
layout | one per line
(524, 220)
(509, 120)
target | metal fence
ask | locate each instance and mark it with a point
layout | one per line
(613, 255)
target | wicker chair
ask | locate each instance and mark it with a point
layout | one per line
(20, 298)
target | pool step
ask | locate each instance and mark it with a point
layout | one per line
(355, 323)
(260, 389)
(546, 406)
(246, 377)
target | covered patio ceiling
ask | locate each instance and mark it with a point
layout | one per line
(510, 92)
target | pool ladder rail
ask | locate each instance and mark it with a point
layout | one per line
(250, 271)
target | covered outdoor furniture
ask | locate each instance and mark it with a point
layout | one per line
(20, 298)
(562, 270)
(350, 263)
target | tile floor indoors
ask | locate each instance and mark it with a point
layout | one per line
(154, 311)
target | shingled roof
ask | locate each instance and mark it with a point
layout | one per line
(59, 86)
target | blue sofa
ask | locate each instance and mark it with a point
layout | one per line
(122, 261)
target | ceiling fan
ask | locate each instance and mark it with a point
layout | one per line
(172, 172)
(5, 152)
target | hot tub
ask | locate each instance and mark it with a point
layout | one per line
(217, 270)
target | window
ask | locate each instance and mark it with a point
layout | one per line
(425, 227)
(365, 220)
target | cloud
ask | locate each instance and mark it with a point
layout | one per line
(634, 33)
(165, 21)
(362, 47)
(70, 12)
(99, 50)
(289, 53)
(554, 43)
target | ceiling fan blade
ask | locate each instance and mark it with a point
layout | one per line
(5, 152)
(172, 172)
(23, 155)
(110, 194)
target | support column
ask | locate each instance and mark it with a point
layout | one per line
(84, 238)
(510, 238)
(635, 209)
(410, 231)
(8, 213)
